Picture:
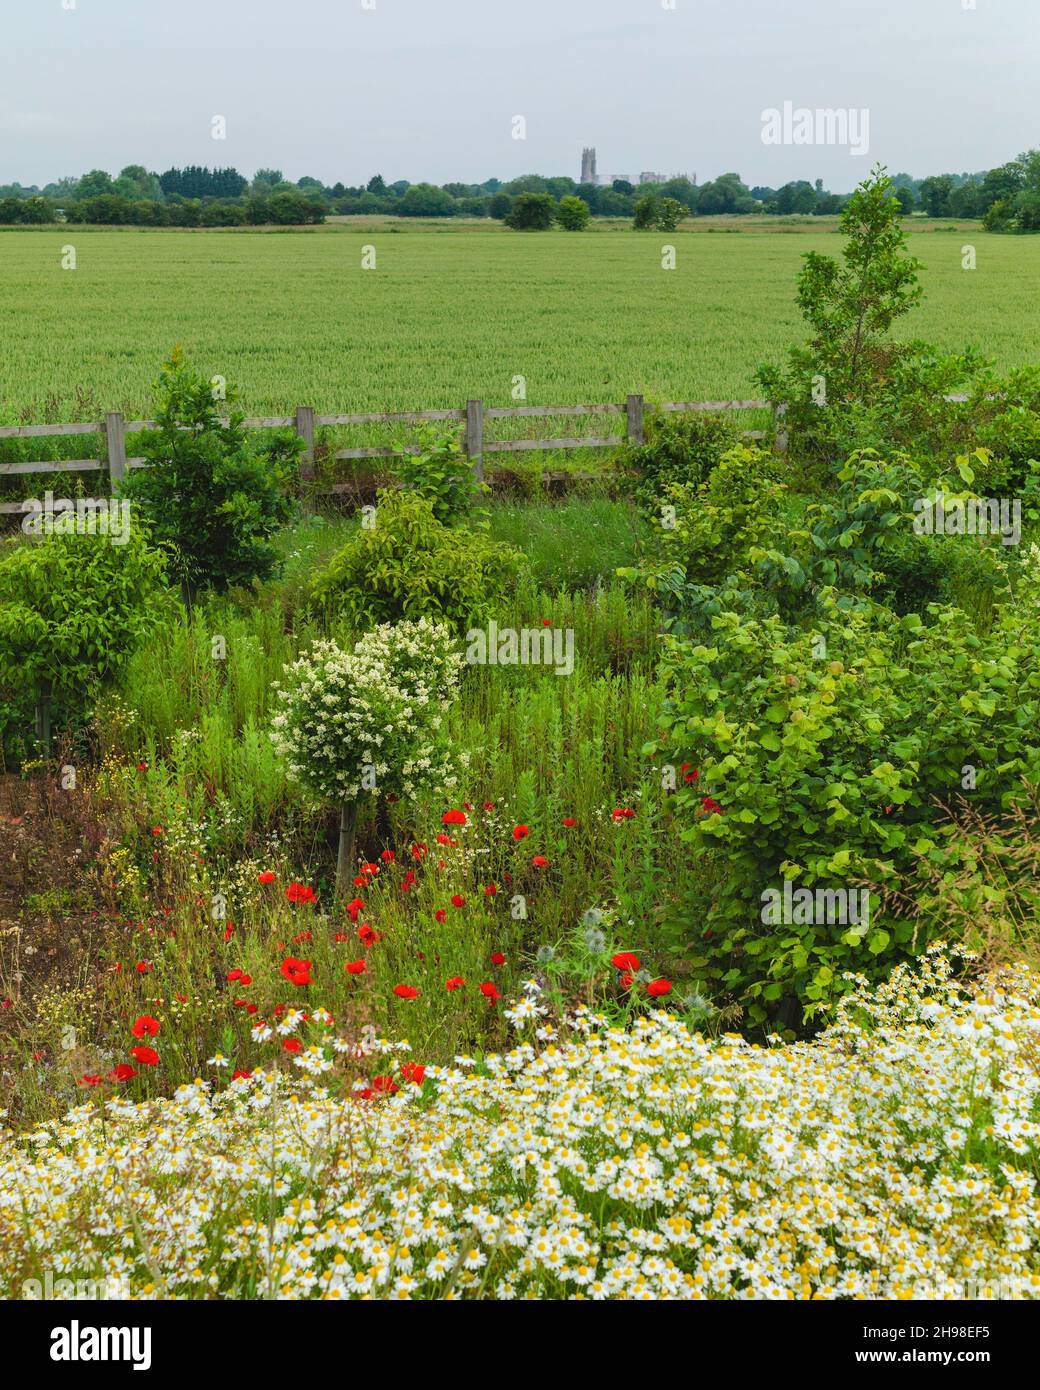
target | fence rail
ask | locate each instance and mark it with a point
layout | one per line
(304, 421)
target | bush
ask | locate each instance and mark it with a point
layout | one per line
(531, 212)
(73, 607)
(442, 474)
(573, 214)
(680, 449)
(410, 565)
(212, 499)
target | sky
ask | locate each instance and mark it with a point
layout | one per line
(432, 89)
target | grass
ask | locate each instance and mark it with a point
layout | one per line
(292, 318)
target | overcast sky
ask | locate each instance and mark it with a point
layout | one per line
(428, 89)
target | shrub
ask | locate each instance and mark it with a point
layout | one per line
(73, 607)
(680, 449)
(531, 212)
(213, 500)
(409, 565)
(442, 474)
(573, 214)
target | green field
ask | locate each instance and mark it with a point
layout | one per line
(450, 312)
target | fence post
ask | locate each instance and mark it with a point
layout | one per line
(634, 411)
(305, 429)
(780, 426)
(474, 441)
(115, 434)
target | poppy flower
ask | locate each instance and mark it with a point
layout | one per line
(622, 813)
(489, 805)
(156, 829)
(301, 936)
(490, 891)
(366, 935)
(456, 982)
(625, 979)
(266, 877)
(89, 1079)
(689, 776)
(292, 1045)
(569, 821)
(440, 915)
(360, 881)
(123, 1072)
(239, 1075)
(147, 1056)
(458, 900)
(142, 767)
(297, 972)
(229, 931)
(520, 832)
(413, 1071)
(657, 988)
(453, 818)
(419, 851)
(145, 1026)
(355, 967)
(300, 893)
(143, 967)
(446, 840)
(540, 862)
(388, 856)
(625, 960)
(406, 991)
(355, 906)
(384, 1085)
(233, 975)
(710, 806)
(370, 869)
(498, 958)
(489, 991)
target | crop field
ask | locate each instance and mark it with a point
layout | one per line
(451, 312)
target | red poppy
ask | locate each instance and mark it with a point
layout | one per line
(622, 813)
(147, 1056)
(156, 829)
(489, 805)
(489, 991)
(367, 936)
(297, 972)
(413, 1071)
(710, 806)
(689, 776)
(384, 1085)
(490, 891)
(458, 900)
(498, 958)
(569, 821)
(453, 818)
(355, 906)
(388, 856)
(90, 1079)
(341, 936)
(657, 988)
(300, 893)
(370, 868)
(145, 1026)
(446, 840)
(625, 960)
(625, 979)
(239, 1075)
(456, 982)
(143, 967)
(123, 1072)
(292, 1045)
(360, 881)
(419, 851)
(540, 862)
(355, 967)
(406, 991)
(266, 877)
(301, 936)
(520, 832)
(142, 767)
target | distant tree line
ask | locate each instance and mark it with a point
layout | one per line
(1007, 198)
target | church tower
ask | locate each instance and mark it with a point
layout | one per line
(588, 165)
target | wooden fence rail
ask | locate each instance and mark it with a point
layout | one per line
(304, 421)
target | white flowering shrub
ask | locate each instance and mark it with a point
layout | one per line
(351, 722)
(893, 1157)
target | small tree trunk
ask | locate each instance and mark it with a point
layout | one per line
(43, 715)
(345, 860)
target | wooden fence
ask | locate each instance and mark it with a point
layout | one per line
(471, 419)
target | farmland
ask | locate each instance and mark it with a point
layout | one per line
(450, 311)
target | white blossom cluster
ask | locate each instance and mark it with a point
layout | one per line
(371, 719)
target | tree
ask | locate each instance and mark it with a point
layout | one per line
(670, 212)
(426, 200)
(499, 206)
(531, 212)
(212, 501)
(354, 725)
(622, 186)
(645, 212)
(935, 195)
(269, 178)
(573, 214)
(376, 184)
(94, 184)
